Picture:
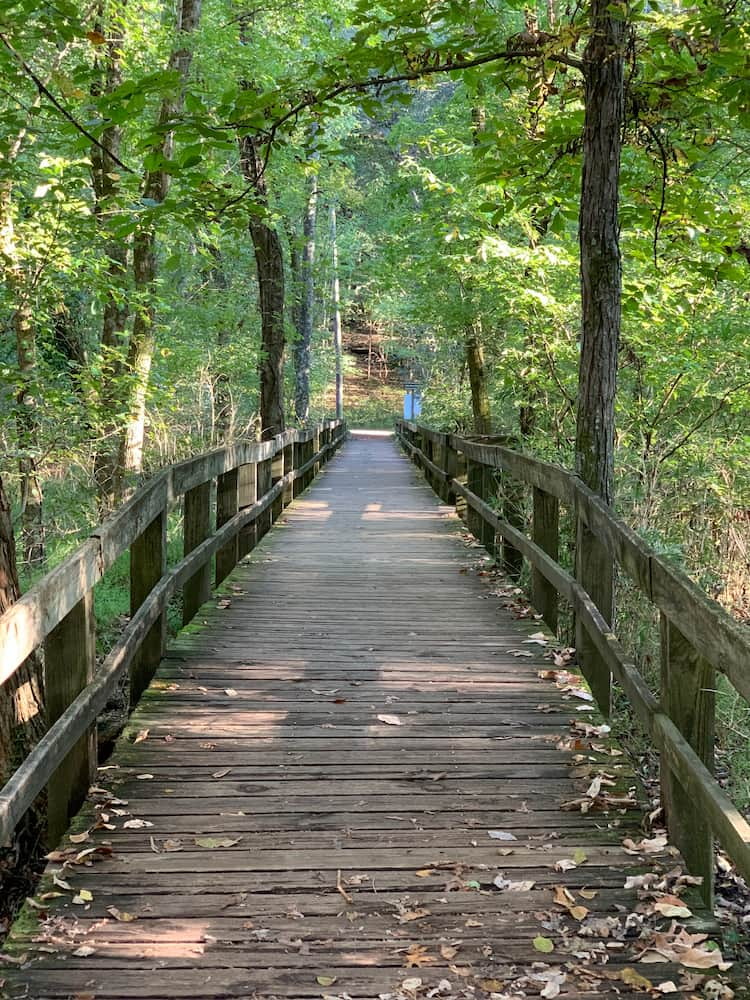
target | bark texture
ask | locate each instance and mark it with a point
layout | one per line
(155, 189)
(104, 175)
(336, 300)
(306, 306)
(601, 284)
(269, 260)
(480, 400)
(601, 269)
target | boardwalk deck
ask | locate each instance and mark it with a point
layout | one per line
(303, 802)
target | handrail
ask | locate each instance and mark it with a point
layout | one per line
(697, 635)
(253, 484)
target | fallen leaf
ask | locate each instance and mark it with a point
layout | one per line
(325, 980)
(144, 777)
(406, 916)
(579, 856)
(565, 865)
(121, 915)
(448, 952)
(78, 838)
(221, 774)
(671, 906)
(667, 987)
(411, 985)
(417, 956)
(83, 896)
(141, 736)
(424, 872)
(543, 944)
(390, 720)
(136, 824)
(213, 842)
(588, 893)
(230, 692)
(84, 951)
(171, 846)
(645, 846)
(500, 835)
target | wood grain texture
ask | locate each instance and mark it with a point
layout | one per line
(292, 833)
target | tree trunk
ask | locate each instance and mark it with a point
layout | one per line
(223, 417)
(145, 267)
(269, 260)
(601, 281)
(21, 723)
(480, 400)
(601, 270)
(336, 297)
(27, 420)
(306, 307)
(104, 174)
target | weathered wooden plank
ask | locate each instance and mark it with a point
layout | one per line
(248, 494)
(545, 534)
(688, 697)
(148, 564)
(227, 505)
(196, 529)
(69, 657)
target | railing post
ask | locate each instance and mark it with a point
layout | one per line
(227, 505)
(595, 573)
(248, 494)
(513, 514)
(546, 534)
(688, 684)
(277, 472)
(316, 442)
(290, 464)
(196, 529)
(451, 466)
(487, 491)
(265, 482)
(474, 484)
(299, 451)
(446, 494)
(148, 563)
(69, 656)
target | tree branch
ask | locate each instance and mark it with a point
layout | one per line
(45, 92)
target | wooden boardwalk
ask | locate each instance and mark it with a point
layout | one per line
(339, 782)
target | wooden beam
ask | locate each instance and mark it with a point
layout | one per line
(688, 686)
(70, 658)
(196, 528)
(248, 494)
(546, 534)
(227, 505)
(148, 563)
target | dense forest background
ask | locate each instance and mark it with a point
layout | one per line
(184, 185)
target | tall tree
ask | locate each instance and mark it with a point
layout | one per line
(601, 291)
(336, 317)
(306, 304)
(105, 176)
(156, 183)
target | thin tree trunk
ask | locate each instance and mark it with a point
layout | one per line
(306, 307)
(145, 267)
(221, 429)
(601, 270)
(601, 282)
(104, 174)
(22, 721)
(480, 400)
(336, 302)
(269, 260)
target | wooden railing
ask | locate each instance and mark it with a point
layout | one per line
(253, 482)
(698, 637)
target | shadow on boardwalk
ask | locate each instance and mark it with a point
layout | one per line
(346, 781)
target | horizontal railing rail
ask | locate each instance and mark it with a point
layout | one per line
(253, 483)
(698, 637)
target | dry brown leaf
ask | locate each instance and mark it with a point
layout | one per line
(141, 736)
(406, 916)
(390, 720)
(418, 956)
(448, 952)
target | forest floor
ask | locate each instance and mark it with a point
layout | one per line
(371, 400)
